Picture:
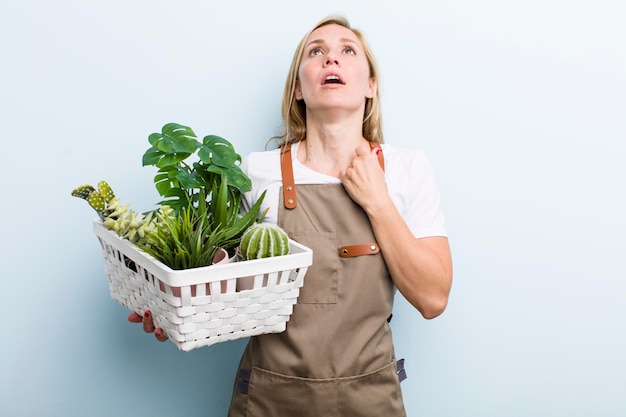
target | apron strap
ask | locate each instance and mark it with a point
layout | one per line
(359, 250)
(289, 185)
(286, 169)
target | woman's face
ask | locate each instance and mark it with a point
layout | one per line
(334, 71)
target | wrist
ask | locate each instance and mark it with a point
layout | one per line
(378, 205)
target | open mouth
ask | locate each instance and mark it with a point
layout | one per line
(332, 79)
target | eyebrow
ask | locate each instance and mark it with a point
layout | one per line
(321, 41)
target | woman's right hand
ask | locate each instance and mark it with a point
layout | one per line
(148, 324)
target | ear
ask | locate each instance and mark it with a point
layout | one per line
(371, 88)
(298, 91)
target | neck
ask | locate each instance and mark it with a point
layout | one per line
(332, 136)
(330, 148)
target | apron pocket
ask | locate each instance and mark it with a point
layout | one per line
(375, 394)
(321, 280)
(272, 394)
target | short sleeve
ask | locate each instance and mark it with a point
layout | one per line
(413, 188)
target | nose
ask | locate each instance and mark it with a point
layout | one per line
(331, 60)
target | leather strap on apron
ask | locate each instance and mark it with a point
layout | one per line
(286, 167)
(359, 250)
(289, 185)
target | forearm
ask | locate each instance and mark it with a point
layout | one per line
(420, 268)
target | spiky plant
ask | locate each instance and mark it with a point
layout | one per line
(126, 222)
(184, 239)
(262, 240)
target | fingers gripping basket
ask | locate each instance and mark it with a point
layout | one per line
(203, 306)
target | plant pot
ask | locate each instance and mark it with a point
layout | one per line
(248, 282)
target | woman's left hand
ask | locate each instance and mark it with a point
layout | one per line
(364, 179)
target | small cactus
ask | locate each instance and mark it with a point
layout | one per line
(262, 240)
(127, 223)
(101, 200)
(105, 191)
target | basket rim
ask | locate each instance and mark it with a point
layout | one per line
(299, 256)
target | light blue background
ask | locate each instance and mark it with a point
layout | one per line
(521, 106)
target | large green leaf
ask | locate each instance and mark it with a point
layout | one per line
(175, 137)
(238, 179)
(174, 144)
(218, 151)
(183, 178)
(166, 179)
(151, 156)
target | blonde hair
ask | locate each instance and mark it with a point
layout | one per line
(293, 111)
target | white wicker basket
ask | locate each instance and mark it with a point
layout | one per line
(203, 306)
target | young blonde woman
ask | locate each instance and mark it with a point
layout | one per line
(371, 214)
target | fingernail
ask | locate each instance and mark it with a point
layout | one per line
(377, 151)
(158, 332)
(146, 314)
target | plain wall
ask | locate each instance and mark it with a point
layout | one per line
(519, 105)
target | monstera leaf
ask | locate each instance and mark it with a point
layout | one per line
(191, 173)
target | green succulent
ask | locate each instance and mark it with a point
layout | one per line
(262, 240)
(183, 239)
(127, 223)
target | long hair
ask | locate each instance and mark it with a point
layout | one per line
(293, 111)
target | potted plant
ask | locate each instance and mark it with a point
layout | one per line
(200, 213)
(205, 196)
(261, 240)
(164, 260)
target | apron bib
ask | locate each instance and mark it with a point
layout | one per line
(336, 357)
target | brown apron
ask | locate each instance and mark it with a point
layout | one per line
(336, 357)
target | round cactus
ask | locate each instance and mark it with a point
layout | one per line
(262, 240)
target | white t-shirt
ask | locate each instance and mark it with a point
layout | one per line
(408, 173)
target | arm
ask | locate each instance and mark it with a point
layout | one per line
(420, 268)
